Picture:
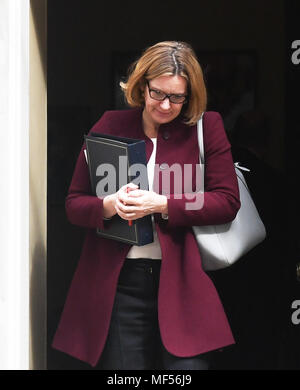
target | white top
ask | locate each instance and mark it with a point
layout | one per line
(152, 250)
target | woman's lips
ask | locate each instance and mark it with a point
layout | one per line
(163, 113)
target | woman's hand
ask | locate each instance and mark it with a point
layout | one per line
(109, 201)
(138, 203)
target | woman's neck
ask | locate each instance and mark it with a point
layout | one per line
(150, 128)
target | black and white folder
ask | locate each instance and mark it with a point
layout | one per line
(113, 162)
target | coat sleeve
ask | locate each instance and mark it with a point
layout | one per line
(82, 207)
(221, 195)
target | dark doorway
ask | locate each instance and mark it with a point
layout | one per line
(245, 50)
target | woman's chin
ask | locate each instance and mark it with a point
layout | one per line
(163, 117)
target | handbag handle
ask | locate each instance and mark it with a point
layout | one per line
(200, 139)
(201, 146)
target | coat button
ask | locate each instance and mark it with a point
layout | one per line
(164, 166)
(166, 135)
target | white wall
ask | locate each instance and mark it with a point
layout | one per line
(14, 184)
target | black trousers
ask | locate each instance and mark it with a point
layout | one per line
(134, 341)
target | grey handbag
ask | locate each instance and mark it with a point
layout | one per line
(222, 245)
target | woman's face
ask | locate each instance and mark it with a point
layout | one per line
(159, 112)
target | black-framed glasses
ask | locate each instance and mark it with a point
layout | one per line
(156, 94)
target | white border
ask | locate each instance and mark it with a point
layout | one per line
(14, 175)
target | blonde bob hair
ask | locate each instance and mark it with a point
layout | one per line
(168, 58)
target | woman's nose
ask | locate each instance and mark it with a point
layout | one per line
(165, 104)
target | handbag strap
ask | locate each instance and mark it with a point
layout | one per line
(201, 146)
(200, 140)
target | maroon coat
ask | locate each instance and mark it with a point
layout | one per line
(191, 317)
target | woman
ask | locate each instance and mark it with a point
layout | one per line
(153, 306)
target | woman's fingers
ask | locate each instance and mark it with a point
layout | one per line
(128, 199)
(134, 204)
(126, 208)
(136, 193)
(123, 193)
(122, 214)
(132, 186)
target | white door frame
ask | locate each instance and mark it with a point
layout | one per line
(21, 205)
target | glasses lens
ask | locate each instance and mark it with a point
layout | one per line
(157, 95)
(177, 99)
